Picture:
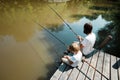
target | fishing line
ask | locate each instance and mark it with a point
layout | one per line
(63, 20)
(51, 33)
(66, 46)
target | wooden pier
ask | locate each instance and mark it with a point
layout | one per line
(107, 64)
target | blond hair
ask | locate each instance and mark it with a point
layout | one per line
(74, 47)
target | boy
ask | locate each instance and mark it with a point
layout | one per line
(75, 58)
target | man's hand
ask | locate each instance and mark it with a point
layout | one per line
(79, 37)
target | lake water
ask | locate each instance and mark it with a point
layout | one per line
(28, 52)
(68, 36)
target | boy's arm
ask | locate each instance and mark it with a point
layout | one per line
(67, 57)
(81, 46)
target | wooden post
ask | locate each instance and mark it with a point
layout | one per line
(107, 39)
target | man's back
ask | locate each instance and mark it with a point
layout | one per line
(88, 43)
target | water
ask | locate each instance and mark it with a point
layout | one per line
(28, 52)
(68, 36)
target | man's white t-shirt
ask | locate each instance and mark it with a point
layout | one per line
(76, 58)
(88, 43)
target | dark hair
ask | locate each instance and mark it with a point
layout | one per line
(87, 28)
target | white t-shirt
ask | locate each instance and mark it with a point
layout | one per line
(76, 58)
(88, 43)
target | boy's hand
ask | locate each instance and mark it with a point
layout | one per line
(67, 57)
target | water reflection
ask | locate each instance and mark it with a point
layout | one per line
(56, 28)
(67, 36)
(26, 50)
(112, 29)
(25, 60)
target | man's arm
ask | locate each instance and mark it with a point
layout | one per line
(79, 38)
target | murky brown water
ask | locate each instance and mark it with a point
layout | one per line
(24, 60)
(26, 51)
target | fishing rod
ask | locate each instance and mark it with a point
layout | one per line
(94, 68)
(82, 72)
(99, 48)
(50, 33)
(66, 46)
(63, 20)
(109, 37)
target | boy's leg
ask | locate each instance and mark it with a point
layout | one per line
(64, 60)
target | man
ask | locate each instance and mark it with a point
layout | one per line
(88, 42)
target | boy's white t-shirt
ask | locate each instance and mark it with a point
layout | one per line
(76, 58)
(88, 43)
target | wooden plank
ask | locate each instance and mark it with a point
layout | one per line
(66, 73)
(106, 66)
(80, 69)
(114, 75)
(75, 72)
(96, 65)
(93, 63)
(84, 69)
(99, 66)
(59, 71)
